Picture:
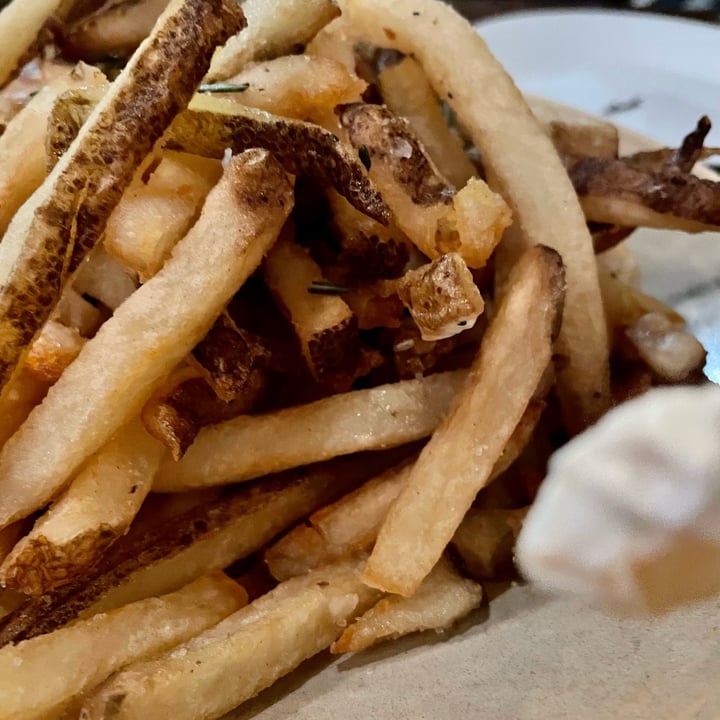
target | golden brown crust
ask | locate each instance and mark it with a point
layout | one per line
(83, 190)
(211, 125)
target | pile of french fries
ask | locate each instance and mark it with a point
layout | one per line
(297, 298)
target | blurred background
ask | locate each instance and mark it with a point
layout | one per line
(699, 9)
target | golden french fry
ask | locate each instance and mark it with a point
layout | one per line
(298, 86)
(65, 217)
(380, 417)
(245, 653)
(408, 93)
(112, 30)
(20, 24)
(155, 213)
(486, 539)
(521, 164)
(149, 334)
(39, 677)
(441, 297)
(435, 218)
(443, 598)
(274, 29)
(95, 510)
(207, 536)
(22, 145)
(459, 458)
(324, 324)
(336, 41)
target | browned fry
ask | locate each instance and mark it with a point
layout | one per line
(459, 458)
(55, 348)
(380, 417)
(274, 29)
(112, 30)
(408, 93)
(10, 601)
(443, 598)
(376, 305)
(22, 145)
(606, 236)
(50, 236)
(442, 297)
(485, 542)
(426, 208)
(324, 324)
(613, 191)
(298, 86)
(211, 125)
(528, 174)
(205, 537)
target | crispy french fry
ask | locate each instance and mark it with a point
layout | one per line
(208, 536)
(55, 348)
(65, 217)
(408, 93)
(102, 278)
(435, 218)
(233, 661)
(149, 334)
(441, 297)
(443, 598)
(522, 165)
(274, 29)
(95, 510)
(458, 460)
(22, 145)
(380, 417)
(485, 541)
(351, 524)
(112, 30)
(39, 677)
(20, 24)
(324, 324)
(298, 86)
(155, 213)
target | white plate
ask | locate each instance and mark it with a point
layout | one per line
(528, 657)
(596, 59)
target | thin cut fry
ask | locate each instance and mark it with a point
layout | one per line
(208, 536)
(486, 539)
(407, 92)
(443, 598)
(324, 324)
(22, 145)
(88, 517)
(65, 217)
(458, 460)
(20, 23)
(39, 677)
(522, 165)
(380, 417)
(149, 334)
(233, 661)
(435, 218)
(274, 29)
(112, 31)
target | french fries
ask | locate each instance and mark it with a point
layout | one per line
(45, 239)
(242, 655)
(22, 145)
(514, 355)
(443, 598)
(273, 30)
(381, 417)
(88, 517)
(407, 92)
(425, 207)
(73, 660)
(149, 334)
(522, 165)
(103, 279)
